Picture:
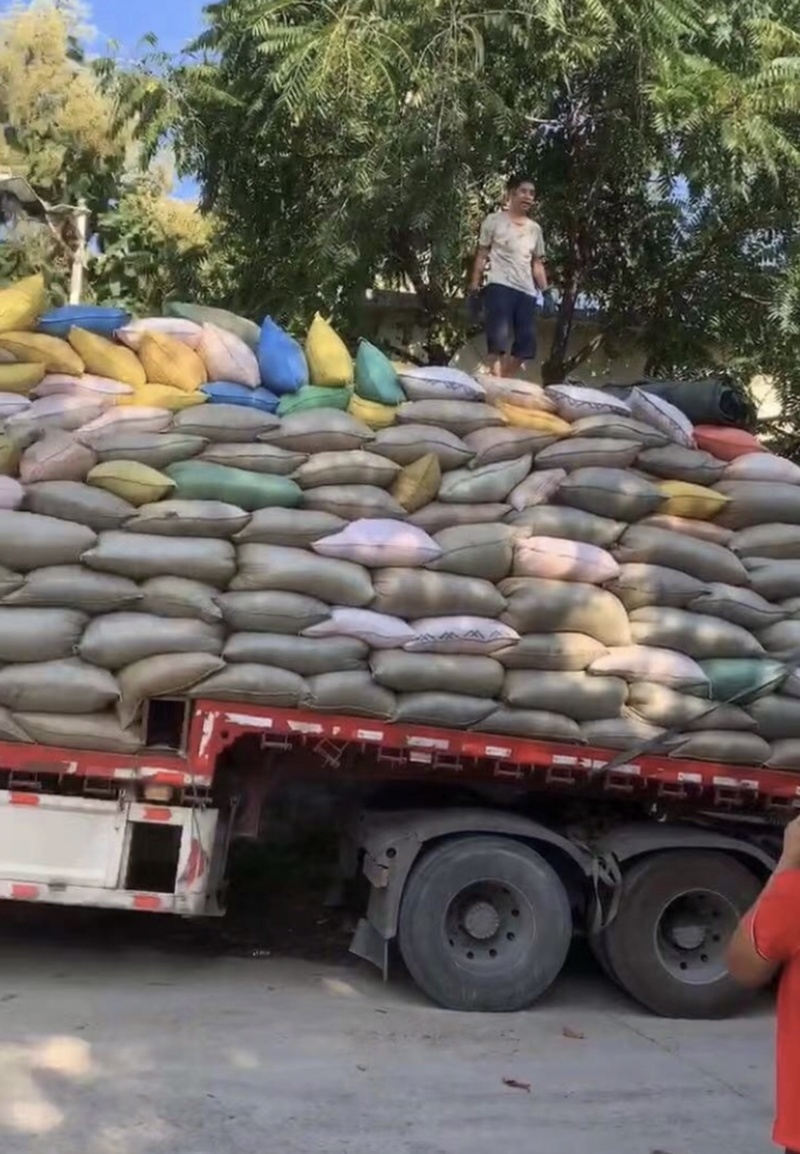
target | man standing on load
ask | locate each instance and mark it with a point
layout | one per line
(512, 245)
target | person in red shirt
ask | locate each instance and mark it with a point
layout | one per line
(766, 943)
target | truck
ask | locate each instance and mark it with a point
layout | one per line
(478, 857)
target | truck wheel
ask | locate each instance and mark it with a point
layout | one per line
(485, 924)
(666, 946)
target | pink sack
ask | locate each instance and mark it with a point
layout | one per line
(557, 559)
(58, 456)
(663, 416)
(762, 467)
(537, 489)
(128, 419)
(462, 634)
(11, 404)
(378, 630)
(702, 530)
(58, 412)
(11, 493)
(646, 663)
(187, 332)
(99, 387)
(523, 394)
(380, 543)
(227, 357)
(574, 402)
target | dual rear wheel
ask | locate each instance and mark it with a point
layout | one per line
(485, 924)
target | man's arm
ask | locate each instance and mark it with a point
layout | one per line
(769, 934)
(479, 268)
(537, 262)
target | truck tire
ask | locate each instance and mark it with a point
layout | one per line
(485, 924)
(666, 946)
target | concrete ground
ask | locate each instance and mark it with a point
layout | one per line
(110, 1048)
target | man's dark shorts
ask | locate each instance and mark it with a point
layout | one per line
(510, 317)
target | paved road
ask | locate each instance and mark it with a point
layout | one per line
(106, 1048)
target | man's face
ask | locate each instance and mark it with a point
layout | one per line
(522, 198)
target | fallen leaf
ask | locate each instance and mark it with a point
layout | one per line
(576, 1035)
(513, 1084)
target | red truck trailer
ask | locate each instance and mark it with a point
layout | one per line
(483, 855)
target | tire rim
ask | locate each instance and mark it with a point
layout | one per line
(691, 934)
(489, 924)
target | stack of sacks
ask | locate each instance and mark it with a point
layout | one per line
(201, 507)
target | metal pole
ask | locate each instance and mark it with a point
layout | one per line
(79, 256)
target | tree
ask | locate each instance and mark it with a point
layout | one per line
(352, 143)
(72, 130)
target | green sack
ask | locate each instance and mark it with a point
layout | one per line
(246, 330)
(205, 481)
(376, 378)
(731, 676)
(314, 397)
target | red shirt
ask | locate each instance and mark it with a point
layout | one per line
(776, 936)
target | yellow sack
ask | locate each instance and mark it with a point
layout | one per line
(371, 413)
(9, 456)
(163, 397)
(20, 378)
(105, 359)
(329, 362)
(418, 483)
(38, 348)
(135, 483)
(534, 419)
(693, 501)
(169, 362)
(21, 304)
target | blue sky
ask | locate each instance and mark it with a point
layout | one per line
(173, 21)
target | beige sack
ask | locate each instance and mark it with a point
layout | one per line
(577, 695)
(162, 675)
(30, 541)
(493, 444)
(615, 493)
(451, 710)
(254, 458)
(81, 731)
(156, 450)
(588, 452)
(293, 528)
(721, 746)
(459, 417)
(179, 597)
(485, 551)
(420, 593)
(695, 635)
(619, 732)
(663, 706)
(348, 467)
(532, 723)
(227, 423)
(274, 567)
(141, 555)
(778, 542)
(119, 639)
(271, 612)
(39, 634)
(319, 431)
(73, 585)
(82, 504)
(570, 525)
(352, 502)
(178, 518)
(565, 652)
(405, 444)
(701, 559)
(306, 656)
(438, 515)
(70, 685)
(754, 503)
(677, 463)
(486, 485)
(351, 693)
(258, 684)
(541, 606)
(639, 585)
(473, 675)
(741, 606)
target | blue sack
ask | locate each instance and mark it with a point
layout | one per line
(231, 393)
(281, 360)
(94, 318)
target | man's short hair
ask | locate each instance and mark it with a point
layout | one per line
(515, 182)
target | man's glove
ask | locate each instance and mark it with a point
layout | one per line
(474, 306)
(548, 304)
